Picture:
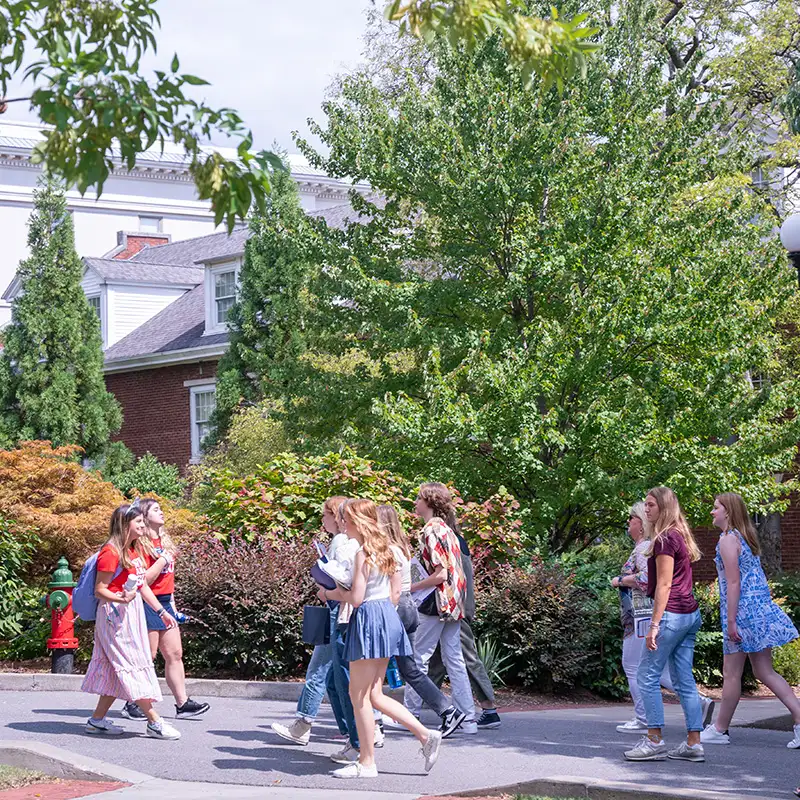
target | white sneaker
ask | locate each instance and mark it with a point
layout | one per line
(710, 735)
(707, 706)
(346, 756)
(470, 727)
(380, 736)
(795, 743)
(103, 727)
(389, 723)
(430, 750)
(647, 750)
(298, 732)
(162, 730)
(355, 770)
(632, 726)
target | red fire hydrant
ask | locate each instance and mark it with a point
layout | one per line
(62, 642)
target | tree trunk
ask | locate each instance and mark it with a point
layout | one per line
(770, 535)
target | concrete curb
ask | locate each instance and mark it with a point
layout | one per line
(64, 763)
(597, 790)
(196, 687)
(200, 687)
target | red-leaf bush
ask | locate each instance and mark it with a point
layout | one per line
(246, 603)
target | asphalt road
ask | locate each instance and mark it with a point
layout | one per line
(233, 744)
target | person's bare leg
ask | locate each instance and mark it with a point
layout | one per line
(397, 711)
(169, 643)
(103, 706)
(764, 672)
(732, 669)
(147, 709)
(362, 677)
(152, 637)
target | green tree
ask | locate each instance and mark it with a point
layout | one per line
(562, 294)
(51, 370)
(88, 87)
(267, 321)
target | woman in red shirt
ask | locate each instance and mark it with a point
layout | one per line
(160, 552)
(121, 665)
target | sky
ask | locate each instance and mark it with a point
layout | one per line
(270, 60)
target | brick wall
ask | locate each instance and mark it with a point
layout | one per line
(155, 408)
(790, 536)
(132, 243)
(705, 569)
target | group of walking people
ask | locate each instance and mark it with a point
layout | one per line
(375, 618)
(661, 618)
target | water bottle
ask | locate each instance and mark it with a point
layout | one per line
(179, 616)
(393, 674)
(130, 584)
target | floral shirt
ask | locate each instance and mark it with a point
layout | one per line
(635, 565)
(440, 548)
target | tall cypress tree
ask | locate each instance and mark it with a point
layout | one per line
(267, 321)
(52, 362)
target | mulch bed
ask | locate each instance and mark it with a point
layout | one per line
(60, 790)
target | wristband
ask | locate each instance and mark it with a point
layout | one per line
(161, 612)
(655, 626)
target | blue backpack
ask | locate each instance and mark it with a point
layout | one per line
(84, 602)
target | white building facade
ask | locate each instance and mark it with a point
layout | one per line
(157, 196)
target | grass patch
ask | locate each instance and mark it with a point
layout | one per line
(14, 777)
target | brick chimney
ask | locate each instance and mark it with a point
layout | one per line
(128, 244)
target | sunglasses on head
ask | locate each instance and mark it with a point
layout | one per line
(134, 508)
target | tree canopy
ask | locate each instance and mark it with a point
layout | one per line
(573, 296)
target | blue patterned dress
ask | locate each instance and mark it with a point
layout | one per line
(759, 620)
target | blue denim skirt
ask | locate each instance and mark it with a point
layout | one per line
(375, 631)
(154, 622)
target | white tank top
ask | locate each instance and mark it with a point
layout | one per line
(377, 586)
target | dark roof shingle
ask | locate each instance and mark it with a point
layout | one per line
(125, 270)
(189, 252)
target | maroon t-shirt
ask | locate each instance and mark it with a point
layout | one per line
(681, 598)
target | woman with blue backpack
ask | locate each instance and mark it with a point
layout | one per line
(121, 665)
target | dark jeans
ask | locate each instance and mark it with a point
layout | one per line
(407, 665)
(478, 678)
(338, 684)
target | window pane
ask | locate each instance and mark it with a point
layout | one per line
(94, 302)
(225, 285)
(204, 404)
(223, 307)
(150, 224)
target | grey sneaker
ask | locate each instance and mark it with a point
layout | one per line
(687, 752)
(430, 750)
(647, 750)
(103, 727)
(633, 726)
(707, 706)
(348, 755)
(298, 732)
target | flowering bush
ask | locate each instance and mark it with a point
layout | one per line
(246, 603)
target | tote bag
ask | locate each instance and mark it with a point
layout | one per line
(316, 625)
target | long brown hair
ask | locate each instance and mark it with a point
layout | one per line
(670, 517)
(439, 499)
(121, 518)
(739, 519)
(333, 505)
(147, 542)
(375, 542)
(390, 522)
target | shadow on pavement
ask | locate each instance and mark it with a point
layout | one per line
(57, 728)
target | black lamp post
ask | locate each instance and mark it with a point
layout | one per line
(790, 239)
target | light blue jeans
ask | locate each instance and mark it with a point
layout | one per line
(316, 676)
(675, 642)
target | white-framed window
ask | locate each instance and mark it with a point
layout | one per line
(94, 302)
(202, 402)
(221, 290)
(150, 224)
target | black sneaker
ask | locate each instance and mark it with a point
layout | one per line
(132, 711)
(451, 719)
(191, 709)
(488, 721)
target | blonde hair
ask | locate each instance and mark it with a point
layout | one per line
(121, 518)
(637, 510)
(147, 542)
(670, 517)
(390, 522)
(333, 504)
(363, 514)
(739, 519)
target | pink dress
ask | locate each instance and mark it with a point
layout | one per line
(121, 664)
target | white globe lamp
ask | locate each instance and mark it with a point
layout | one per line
(790, 239)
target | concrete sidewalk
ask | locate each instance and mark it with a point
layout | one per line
(565, 749)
